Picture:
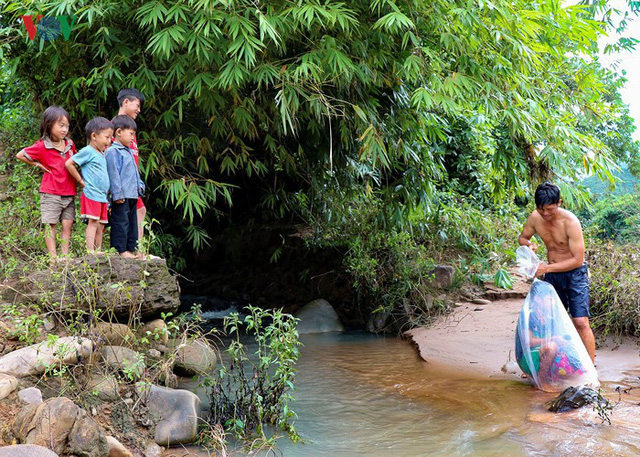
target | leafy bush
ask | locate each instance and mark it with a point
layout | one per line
(254, 390)
(615, 218)
(615, 288)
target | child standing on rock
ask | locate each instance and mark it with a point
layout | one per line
(94, 179)
(58, 188)
(130, 103)
(126, 187)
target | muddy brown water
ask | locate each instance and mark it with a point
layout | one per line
(362, 395)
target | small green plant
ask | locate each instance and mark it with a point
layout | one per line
(27, 322)
(251, 391)
(603, 407)
(503, 278)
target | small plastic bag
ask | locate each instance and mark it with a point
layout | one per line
(548, 347)
(528, 261)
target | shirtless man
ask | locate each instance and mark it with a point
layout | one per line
(566, 271)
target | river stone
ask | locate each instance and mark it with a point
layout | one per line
(573, 398)
(114, 334)
(49, 324)
(130, 362)
(441, 277)
(8, 384)
(153, 450)
(378, 321)
(318, 316)
(61, 424)
(176, 410)
(194, 357)
(30, 395)
(33, 360)
(105, 386)
(155, 331)
(140, 288)
(26, 450)
(480, 301)
(117, 449)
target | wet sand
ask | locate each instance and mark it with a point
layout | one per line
(477, 340)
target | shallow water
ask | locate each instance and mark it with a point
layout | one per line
(359, 394)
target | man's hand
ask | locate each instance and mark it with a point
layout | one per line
(119, 201)
(543, 268)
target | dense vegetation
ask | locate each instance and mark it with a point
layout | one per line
(393, 128)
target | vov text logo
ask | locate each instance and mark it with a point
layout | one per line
(48, 27)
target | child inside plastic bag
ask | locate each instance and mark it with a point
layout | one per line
(548, 348)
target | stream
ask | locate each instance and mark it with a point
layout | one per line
(359, 394)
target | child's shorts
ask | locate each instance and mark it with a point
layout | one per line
(92, 209)
(140, 203)
(56, 208)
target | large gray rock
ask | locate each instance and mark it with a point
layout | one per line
(177, 412)
(122, 286)
(26, 450)
(8, 384)
(126, 360)
(34, 360)
(441, 277)
(318, 316)
(194, 357)
(60, 424)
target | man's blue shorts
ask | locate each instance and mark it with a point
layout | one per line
(573, 289)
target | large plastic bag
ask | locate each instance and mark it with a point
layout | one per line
(548, 347)
(527, 261)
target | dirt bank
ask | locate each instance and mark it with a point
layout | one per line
(477, 340)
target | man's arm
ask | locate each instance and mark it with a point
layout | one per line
(527, 232)
(576, 248)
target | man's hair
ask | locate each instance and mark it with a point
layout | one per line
(97, 125)
(123, 122)
(129, 94)
(547, 194)
(49, 117)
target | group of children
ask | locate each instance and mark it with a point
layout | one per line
(106, 170)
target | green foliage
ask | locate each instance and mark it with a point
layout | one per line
(27, 322)
(252, 391)
(503, 279)
(615, 218)
(388, 268)
(626, 183)
(404, 99)
(615, 288)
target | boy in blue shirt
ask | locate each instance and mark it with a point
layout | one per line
(94, 179)
(125, 187)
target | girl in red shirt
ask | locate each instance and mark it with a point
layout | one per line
(58, 188)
